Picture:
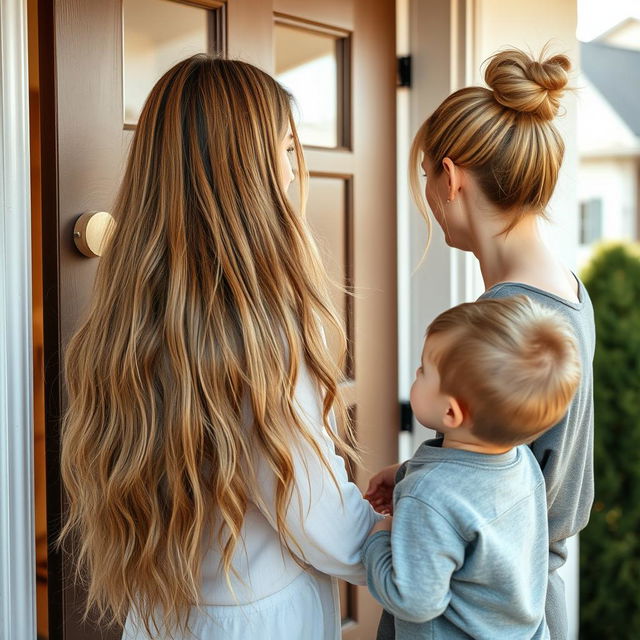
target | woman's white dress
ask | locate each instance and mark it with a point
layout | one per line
(276, 599)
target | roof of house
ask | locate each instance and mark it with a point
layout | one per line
(630, 23)
(615, 72)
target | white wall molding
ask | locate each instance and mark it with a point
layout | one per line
(444, 53)
(17, 546)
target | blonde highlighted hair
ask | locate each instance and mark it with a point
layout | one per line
(207, 301)
(512, 363)
(502, 134)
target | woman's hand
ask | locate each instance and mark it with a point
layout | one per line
(380, 490)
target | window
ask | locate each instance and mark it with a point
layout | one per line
(590, 220)
(314, 67)
(159, 33)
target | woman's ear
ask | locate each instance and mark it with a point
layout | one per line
(454, 415)
(454, 178)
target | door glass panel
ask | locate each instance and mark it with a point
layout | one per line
(310, 64)
(157, 34)
(329, 217)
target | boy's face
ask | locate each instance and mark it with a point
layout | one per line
(428, 404)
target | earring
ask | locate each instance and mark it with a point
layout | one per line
(448, 201)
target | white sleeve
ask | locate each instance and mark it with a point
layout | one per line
(329, 523)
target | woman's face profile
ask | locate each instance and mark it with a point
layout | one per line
(284, 165)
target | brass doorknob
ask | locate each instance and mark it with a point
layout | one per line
(91, 231)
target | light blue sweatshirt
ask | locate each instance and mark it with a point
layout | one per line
(467, 556)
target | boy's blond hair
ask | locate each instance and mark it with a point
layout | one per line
(512, 364)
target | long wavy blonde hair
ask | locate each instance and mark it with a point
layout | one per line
(207, 299)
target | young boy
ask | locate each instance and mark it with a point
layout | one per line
(466, 552)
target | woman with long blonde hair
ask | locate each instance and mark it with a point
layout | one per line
(207, 493)
(491, 157)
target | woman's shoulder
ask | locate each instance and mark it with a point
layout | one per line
(549, 293)
(578, 312)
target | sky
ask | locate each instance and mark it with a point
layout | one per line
(597, 16)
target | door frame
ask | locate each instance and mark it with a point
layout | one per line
(17, 547)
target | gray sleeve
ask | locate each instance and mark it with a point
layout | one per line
(409, 570)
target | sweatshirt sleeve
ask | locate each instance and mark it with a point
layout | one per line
(328, 520)
(409, 569)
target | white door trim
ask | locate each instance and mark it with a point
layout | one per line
(17, 541)
(443, 43)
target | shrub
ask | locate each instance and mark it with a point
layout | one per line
(610, 545)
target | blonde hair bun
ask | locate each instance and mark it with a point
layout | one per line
(526, 85)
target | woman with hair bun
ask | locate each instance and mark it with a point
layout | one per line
(206, 490)
(491, 158)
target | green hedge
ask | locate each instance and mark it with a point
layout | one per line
(610, 545)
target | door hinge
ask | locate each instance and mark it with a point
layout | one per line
(406, 416)
(404, 71)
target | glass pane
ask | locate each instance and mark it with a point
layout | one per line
(306, 63)
(329, 220)
(157, 34)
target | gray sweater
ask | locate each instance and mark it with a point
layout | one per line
(565, 453)
(467, 554)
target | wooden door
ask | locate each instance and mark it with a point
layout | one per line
(348, 49)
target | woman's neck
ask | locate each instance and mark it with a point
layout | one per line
(502, 255)
(519, 256)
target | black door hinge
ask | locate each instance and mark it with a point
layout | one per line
(404, 71)
(406, 416)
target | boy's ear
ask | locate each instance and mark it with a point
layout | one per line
(454, 415)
